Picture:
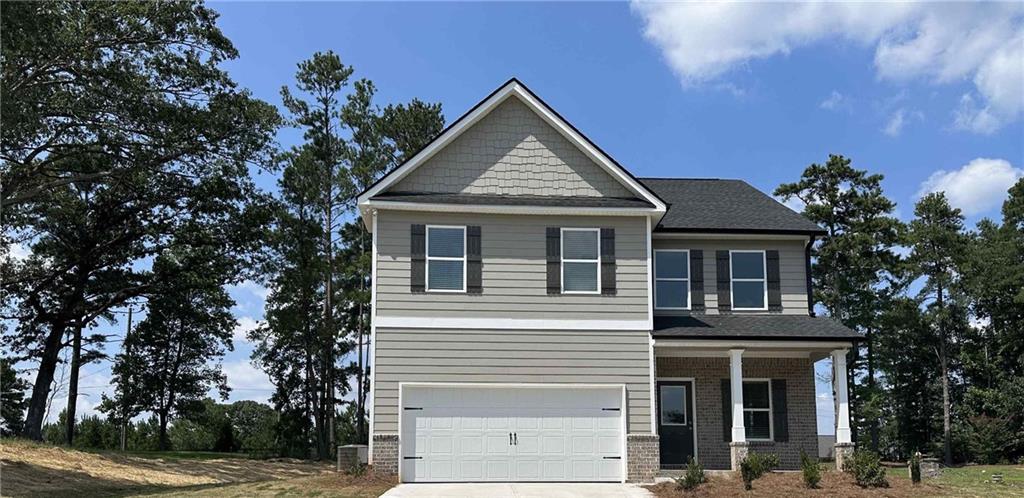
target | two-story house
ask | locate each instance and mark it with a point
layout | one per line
(540, 314)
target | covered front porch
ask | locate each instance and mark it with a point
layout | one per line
(716, 399)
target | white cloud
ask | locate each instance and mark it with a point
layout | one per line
(244, 326)
(975, 188)
(937, 42)
(836, 101)
(18, 252)
(793, 203)
(253, 288)
(895, 125)
(246, 382)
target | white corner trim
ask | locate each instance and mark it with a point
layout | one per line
(372, 360)
(514, 88)
(427, 322)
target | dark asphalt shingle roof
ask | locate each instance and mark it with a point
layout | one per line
(713, 205)
(751, 327)
(512, 200)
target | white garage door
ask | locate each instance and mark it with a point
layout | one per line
(511, 434)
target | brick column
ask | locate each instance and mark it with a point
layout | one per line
(385, 454)
(642, 457)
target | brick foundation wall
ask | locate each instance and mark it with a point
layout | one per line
(385, 454)
(712, 448)
(642, 457)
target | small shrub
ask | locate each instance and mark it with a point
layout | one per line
(866, 468)
(756, 465)
(915, 468)
(694, 476)
(811, 470)
(357, 469)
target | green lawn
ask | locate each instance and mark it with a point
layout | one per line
(976, 480)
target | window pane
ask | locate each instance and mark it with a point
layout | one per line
(748, 294)
(747, 265)
(673, 405)
(757, 425)
(579, 245)
(670, 294)
(755, 395)
(580, 277)
(445, 242)
(444, 275)
(671, 264)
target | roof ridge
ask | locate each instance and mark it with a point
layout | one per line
(691, 179)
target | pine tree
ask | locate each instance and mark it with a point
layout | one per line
(938, 246)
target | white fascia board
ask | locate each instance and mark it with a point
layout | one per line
(753, 236)
(484, 108)
(507, 323)
(743, 343)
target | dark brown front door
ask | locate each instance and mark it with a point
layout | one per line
(675, 422)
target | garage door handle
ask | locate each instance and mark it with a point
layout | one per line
(515, 437)
(510, 439)
(613, 458)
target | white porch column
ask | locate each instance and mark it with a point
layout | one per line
(739, 433)
(842, 396)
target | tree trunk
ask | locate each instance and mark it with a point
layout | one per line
(128, 382)
(328, 343)
(44, 377)
(72, 408)
(164, 446)
(360, 392)
(873, 424)
(944, 361)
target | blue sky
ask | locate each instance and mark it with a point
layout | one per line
(930, 95)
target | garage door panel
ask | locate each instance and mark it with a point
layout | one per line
(462, 434)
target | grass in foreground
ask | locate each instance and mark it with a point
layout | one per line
(33, 469)
(336, 485)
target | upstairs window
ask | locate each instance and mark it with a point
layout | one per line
(749, 291)
(446, 259)
(672, 279)
(580, 260)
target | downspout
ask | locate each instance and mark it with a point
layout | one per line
(807, 273)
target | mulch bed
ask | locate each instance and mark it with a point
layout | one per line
(790, 484)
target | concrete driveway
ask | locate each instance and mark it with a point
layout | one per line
(517, 490)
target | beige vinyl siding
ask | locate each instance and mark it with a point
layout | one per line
(511, 356)
(792, 268)
(514, 269)
(512, 151)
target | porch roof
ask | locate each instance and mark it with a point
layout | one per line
(771, 327)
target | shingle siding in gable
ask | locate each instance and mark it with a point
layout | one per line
(512, 151)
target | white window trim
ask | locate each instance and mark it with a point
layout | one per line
(561, 243)
(426, 250)
(770, 410)
(661, 405)
(763, 280)
(667, 279)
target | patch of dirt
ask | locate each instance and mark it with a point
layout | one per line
(333, 484)
(790, 484)
(30, 469)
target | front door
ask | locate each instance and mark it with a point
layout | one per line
(675, 422)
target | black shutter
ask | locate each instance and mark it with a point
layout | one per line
(474, 261)
(697, 280)
(722, 274)
(554, 240)
(418, 254)
(726, 411)
(608, 261)
(779, 411)
(774, 285)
